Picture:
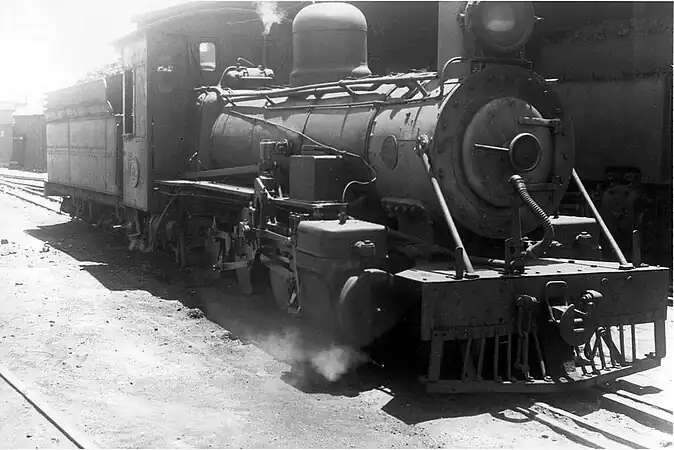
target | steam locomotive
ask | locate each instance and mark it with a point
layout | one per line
(362, 200)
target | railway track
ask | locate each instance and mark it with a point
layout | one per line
(29, 188)
(54, 418)
(620, 415)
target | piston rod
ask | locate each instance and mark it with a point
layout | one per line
(604, 229)
(470, 272)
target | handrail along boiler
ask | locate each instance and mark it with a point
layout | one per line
(368, 200)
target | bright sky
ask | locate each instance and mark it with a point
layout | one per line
(50, 44)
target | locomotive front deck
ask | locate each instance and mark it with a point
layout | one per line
(510, 339)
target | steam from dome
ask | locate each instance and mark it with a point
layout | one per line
(269, 14)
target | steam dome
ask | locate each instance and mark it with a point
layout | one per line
(329, 44)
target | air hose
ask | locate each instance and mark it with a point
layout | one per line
(517, 182)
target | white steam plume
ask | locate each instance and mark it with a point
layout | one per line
(335, 361)
(269, 13)
(329, 360)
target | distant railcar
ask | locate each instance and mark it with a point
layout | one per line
(29, 151)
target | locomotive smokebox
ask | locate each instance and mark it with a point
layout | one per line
(329, 44)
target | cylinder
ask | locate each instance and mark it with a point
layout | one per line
(329, 44)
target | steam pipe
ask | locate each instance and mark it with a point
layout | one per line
(315, 88)
(604, 229)
(470, 272)
(521, 189)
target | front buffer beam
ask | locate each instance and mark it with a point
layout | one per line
(561, 325)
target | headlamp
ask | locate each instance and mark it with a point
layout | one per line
(501, 26)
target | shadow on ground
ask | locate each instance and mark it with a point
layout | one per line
(117, 268)
(257, 320)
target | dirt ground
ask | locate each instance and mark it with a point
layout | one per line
(114, 341)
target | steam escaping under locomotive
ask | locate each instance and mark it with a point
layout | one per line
(364, 201)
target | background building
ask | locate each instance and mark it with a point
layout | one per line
(6, 137)
(29, 149)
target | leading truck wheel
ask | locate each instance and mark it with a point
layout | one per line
(250, 277)
(283, 288)
(368, 307)
(247, 277)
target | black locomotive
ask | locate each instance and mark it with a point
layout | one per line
(362, 200)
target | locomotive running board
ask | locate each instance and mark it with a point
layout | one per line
(238, 192)
(243, 196)
(228, 172)
(503, 344)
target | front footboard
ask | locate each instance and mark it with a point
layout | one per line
(560, 325)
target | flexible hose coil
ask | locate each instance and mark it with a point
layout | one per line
(518, 183)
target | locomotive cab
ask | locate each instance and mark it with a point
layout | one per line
(171, 53)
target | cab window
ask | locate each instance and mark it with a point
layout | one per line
(207, 59)
(129, 100)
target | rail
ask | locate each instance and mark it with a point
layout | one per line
(28, 188)
(40, 405)
(560, 416)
